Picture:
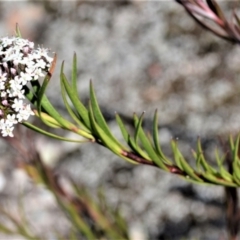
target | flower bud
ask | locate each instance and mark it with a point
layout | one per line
(13, 71)
(4, 102)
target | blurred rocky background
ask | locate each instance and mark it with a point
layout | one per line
(140, 55)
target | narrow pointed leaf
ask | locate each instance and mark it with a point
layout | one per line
(236, 149)
(48, 120)
(45, 83)
(231, 143)
(32, 97)
(70, 111)
(41, 99)
(236, 164)
(148, 146)
(106, 140)
(79, 223)
(176, 154)
(138, 128)
(223, 172)
(100, 119)
(216, 9)
(122, 128)
(202, 160)
(39, 130)
(156, 140)
(82, 111)
(212, 179)
(17, 31)
(187, 168)
(236, 17)
(74, 75)
(137, 149)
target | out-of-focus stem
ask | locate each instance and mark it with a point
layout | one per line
(232, 211)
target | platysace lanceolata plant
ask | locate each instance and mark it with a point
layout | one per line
(18, 67)
(20, 64)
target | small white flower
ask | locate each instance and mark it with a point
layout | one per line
(16, 81)
(24, 78)
(30, 70)
(7, 131)
(25, 113)
(11, 119)
(17, 105)
(42, 51)
(31, 45)
(3, 77)
(41, 64)
(6, 41)
(37, 73)
(22, 115)
(2, 85)
(10, 92)
(3, 93)
(16, 91)
(17, 56)
(19, 92)
(2, 123)
(28, 61)
(28, 110)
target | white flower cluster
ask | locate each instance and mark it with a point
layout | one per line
(20, 63)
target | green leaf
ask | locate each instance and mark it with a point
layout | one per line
(236, 179)
(138, 128)
(74, 75)
(101, 134)
(42, 89)
(39, 130)
(82, 111)
(213, 179)
(48, 120)
(42, 102)
(202, 161)
(148, 146)
(99, 217)
(223, 172)
(70, 111)
(77, 220)
(236, 149)
(231, 142)
(187, 168)
(100, 119)
(17, 31)
(122, 128)
(41, 98)
(156, 140)
(176, 154)
(137, 149)
(236, 164)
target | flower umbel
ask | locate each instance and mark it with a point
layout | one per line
(20, 63)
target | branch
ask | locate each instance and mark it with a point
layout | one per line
(139, 148)
(201, 11)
